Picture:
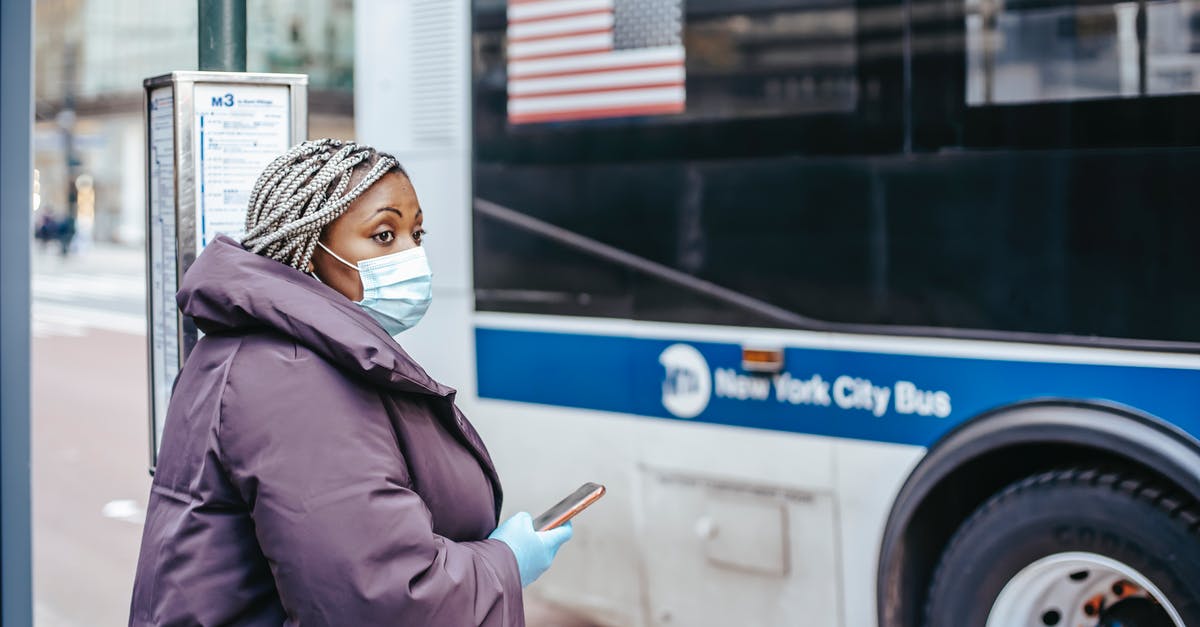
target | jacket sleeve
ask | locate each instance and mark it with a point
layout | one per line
(318, 462)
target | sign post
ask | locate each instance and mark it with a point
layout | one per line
(208, 136)
(16, 194)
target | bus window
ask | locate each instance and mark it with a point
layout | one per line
(762, 77)
(1036, 51)
(871, 175)
(1173, 56)
(772, 63)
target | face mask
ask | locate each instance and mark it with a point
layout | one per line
(397, 288)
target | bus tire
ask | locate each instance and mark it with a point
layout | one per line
(1103, 527)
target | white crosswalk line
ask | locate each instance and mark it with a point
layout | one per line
(101, 286)
(102, 291)
(53, 319)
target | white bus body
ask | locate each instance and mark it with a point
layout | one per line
(705, 522)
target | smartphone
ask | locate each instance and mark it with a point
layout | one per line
(567, 508)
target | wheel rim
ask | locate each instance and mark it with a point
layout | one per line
(1069, 589)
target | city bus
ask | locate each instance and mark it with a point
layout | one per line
(866, 312)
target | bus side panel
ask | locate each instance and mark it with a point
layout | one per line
(662, 411)
(701, 525)
(869, 475)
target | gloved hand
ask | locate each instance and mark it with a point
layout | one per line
(534, 549)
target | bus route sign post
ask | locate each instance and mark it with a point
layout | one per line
(208, 135)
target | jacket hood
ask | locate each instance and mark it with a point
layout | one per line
(230, 290)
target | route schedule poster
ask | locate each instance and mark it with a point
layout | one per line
(164, 328)
(208, 137)
(238, 130)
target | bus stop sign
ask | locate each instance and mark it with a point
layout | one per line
(208, 136)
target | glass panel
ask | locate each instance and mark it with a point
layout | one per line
(1173, 59)
(772, 63)
(739, 63)
(1033, 51)
(1013, 242)
(762, 77)
(1069, 215)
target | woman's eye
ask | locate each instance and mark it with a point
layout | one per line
(419, 235)
(385, 237)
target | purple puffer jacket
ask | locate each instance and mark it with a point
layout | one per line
(311, 473)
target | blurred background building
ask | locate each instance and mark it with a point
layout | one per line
(91, 57)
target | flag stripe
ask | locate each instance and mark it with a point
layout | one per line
(595, 90)
(624, 98)
(575, 34)
(558, 16)
(563, 65)
(557, 55)
(598, 70)
(542, 8)
(597, 112)
(621, 78)
(520, 69)
(520, 51)
(561, 26)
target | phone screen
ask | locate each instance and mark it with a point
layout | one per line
(567, 508)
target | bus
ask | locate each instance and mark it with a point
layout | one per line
(866, 312)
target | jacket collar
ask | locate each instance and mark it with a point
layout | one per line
(229, 289)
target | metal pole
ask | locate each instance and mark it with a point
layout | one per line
(223, 35)
(16, 194)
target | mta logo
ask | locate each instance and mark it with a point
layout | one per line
(687, 385)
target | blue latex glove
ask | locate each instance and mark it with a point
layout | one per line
(534, 549)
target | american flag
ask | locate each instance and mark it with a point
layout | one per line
(580, 59)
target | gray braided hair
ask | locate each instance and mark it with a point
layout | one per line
(305, 189)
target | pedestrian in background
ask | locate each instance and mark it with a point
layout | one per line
(47, 226)
(311, 473)
(66, 234)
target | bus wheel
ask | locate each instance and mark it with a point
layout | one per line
(1070, 548)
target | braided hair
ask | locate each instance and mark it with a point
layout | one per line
(305, 189)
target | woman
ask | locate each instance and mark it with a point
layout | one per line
(311, 473)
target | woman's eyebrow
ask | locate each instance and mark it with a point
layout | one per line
(381, 210)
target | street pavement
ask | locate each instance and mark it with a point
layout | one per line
(90, 436)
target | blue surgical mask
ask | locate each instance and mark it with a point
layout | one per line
(397, 288)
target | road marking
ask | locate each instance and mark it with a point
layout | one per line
(120, 287)
(53, 319)
(125, 510)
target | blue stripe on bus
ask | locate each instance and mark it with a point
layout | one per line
(623, 374)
